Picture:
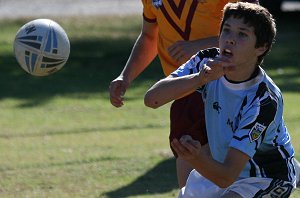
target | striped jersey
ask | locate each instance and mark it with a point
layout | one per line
(247, 116)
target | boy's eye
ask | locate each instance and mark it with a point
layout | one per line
(225, 30)
(242, 34)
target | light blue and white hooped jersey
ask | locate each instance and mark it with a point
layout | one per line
(247, 116)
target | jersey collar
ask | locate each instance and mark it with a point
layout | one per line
(244, 85)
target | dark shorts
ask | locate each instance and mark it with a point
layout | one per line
(187, 118)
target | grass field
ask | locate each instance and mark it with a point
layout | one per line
(60, 137)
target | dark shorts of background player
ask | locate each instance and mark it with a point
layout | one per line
(187, 118)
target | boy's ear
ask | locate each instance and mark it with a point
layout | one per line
(261, 50)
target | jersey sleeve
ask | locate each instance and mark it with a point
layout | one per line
(148, 13)
(190, 67)
(196, 63)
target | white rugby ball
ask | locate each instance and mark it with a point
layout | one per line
(41, 47)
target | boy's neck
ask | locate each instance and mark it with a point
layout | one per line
(253, 75)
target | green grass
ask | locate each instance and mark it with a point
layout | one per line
(60, 137)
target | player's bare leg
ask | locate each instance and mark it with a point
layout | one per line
(183, 170)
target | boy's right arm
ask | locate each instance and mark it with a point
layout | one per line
(172, 87)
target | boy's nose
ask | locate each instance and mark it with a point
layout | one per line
(230, 41)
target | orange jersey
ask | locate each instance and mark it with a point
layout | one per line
(182, 20)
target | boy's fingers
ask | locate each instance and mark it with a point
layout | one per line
(220, 62)
(175, 145)
(180, 148)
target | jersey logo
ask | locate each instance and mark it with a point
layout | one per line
(178, 10)
(278, 188)
(217, 107)
(256, 131)
(230, 124)
(157, 3)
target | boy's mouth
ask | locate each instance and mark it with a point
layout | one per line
(227, 53)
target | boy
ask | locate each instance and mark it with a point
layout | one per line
(249, 153)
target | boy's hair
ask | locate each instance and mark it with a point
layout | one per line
(256, 16)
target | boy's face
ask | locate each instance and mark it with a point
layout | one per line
(237, 43)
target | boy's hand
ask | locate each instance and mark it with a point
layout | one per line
(188, 139)
(117, 91)
(216, 68)
(187, 148)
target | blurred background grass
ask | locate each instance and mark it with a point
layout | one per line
(60, 137)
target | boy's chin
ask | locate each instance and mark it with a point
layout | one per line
(229, 69)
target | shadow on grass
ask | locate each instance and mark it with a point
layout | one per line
(90, 68)
(159, 179)
(78, 131)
